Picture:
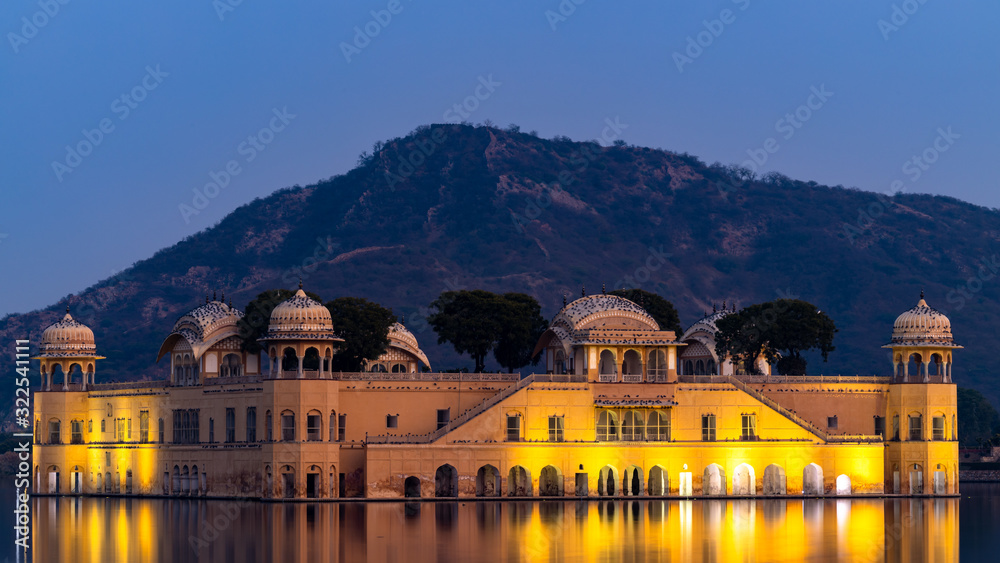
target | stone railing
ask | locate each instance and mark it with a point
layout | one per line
(417, 376)
(126, 385)
(814, 379)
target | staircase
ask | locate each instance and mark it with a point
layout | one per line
(778, 408)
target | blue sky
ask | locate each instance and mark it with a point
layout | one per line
(178, 87)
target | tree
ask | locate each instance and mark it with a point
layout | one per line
(469, 320)
(660, 309)
(254, 323)
(521, 326)
(779, 331)
(978, 421)
(364, 326)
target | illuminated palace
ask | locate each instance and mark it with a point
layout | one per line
(623, 408)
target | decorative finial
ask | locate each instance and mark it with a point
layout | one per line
(402, 319)
(642, 300)
(67, 309)
(734, 306)
(230, 302)
(564, 299)
(223, 296)
(604, 290)
(206, 298)
(213, 295)
(723, 304)
(921, 293)
(714, 310)
(300, 283)
(583, 291)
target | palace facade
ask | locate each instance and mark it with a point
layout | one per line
(623, 408)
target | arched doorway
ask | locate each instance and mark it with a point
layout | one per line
(607, 367)
(713, 480)
(519, 482)
(550, 482)
(411, 487)
(607, 481)
(488, 481)
(744, 480)
(633, 481)
(446, 481)
(843, 485)
(658, 482)
(774, 480)
(812, 480)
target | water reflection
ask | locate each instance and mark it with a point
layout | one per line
(118, 529)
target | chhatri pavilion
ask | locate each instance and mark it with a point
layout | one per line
(621, 408)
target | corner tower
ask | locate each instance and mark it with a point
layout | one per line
(68, 352)
(922, 434)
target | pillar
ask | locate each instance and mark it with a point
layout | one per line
(924, 368)
(299, 374)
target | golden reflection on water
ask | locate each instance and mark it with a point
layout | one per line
(117, 529)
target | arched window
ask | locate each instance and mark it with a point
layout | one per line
(287, 426)
(398, 368)
(699, 367)
(559, 365)
(311, 361)
(607, 364)
(688, 367)
(269, 423)
(633, 426)
(289, 360)
(658, 426)
(231, 366)
(607, 426)
(314, 426)
(710, 367)
(656, 369)
(333, 426)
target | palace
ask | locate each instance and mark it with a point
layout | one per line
(623, 408)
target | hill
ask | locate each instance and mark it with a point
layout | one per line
(458, 206)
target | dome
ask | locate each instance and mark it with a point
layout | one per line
(68, 337)
(922, 326)
(401, 337)
(203, 327)
(597, 311)
(300, 317)
(707, 323)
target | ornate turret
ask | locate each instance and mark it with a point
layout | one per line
(300, 331)
(922, 337)
(67, 346)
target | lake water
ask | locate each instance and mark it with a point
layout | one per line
(83, 530)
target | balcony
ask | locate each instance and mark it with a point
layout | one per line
(632, 378)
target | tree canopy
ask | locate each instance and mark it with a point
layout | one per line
(660, 309)
(364, 326)
(254, 323)
(978, 421)
(478, 322)
(779, 331)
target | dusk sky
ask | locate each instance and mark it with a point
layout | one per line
(840, 92)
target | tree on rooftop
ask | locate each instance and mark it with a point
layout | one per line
(364, 326)
(662, 311)
(778, 330)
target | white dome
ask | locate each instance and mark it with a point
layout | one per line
(300, 317)
(922, 326)
(68, 337)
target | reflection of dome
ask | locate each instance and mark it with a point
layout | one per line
(603, 311)
(922, 326)
(68, 337)
(300, 317)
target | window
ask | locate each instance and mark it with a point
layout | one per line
(916, 428)
(895, 427)
(658, 427)
(128, 432)
(555, 429)
(90, 426)
(288, 426)
(342, 427)
(314, 431)
(76, 428)
(937, 425)
(38, 432)
(230, 425)
(444, 417)
(211, 430)
(251, 424)
(186, 430)
(607, 427)
(880, 426)
(144, 426)
(161, 430)
(708, 427)
(513, 427)
(333, 426)
(391, 421)
(749, 427)
(269, 433)
(831, 422)
(632, 426)
(104, 427)
(120, 429)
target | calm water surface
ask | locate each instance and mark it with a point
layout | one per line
(115, 529)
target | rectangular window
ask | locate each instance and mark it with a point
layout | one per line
(555, 429)
(211, 430)
(313, 431)
(916, 428)
(287, 427)
(831, 422)
(230, 425)
(144, 426)
(269, 423)
(708, 427)
(341, 428)
(76, 427)
(251, 424)
(161, 430)
(104, 426)
(128, 431)
(119, 429)
(391, 421)
(749, 427)
(895, 427)
(444, 417)
(90, 426)
(938, 427)
(880, 426)
(513, 428)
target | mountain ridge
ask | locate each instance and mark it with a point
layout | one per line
(461, 207)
